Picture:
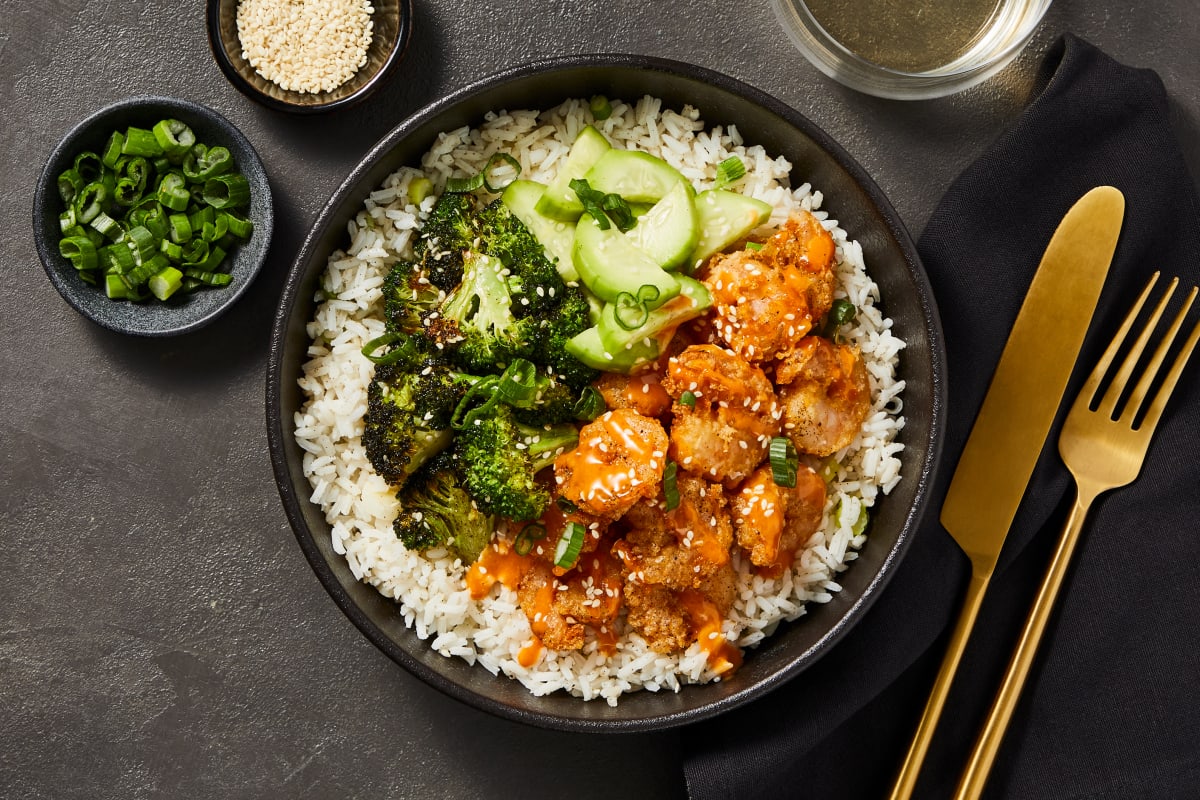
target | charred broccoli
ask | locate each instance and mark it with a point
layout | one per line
(499, 459)
(570, 318)
(435, 510)
(408, 417)
(490, 335)
(536, 286)
(408, 297)
(448, 232)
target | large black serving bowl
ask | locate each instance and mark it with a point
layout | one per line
(851, 197)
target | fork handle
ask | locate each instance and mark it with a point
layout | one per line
(970, 786)
(906, 781)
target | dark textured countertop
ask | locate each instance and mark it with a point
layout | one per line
(161, 634)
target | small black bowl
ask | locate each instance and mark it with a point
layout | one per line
(850, 196)
(393, 22)
(182, 313)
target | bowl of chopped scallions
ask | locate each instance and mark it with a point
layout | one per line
(152, 216)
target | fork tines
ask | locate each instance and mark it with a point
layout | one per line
(1132, 407)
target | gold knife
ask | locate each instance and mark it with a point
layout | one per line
(1015, 418)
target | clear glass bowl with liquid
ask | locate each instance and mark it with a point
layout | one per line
(910, 49)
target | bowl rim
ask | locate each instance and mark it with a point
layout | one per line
(216, 45)
(264, 224)
(293, 500)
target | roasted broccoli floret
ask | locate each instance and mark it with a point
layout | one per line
(435, 510)
(569, 318)
(499, 459)
(489, 335)
(448, 232)
(408, 417)
(536, 286)
(407, 297)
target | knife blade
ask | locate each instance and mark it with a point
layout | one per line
(1011, 428)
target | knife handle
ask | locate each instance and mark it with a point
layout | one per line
(906, 781)
(970, 786)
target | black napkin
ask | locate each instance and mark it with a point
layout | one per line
(1112, 708)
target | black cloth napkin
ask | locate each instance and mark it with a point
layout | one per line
(1112, 708)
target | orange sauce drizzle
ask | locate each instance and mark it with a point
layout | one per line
(723, 657)
(595, 481)
(646, 395)
(496, 565)
(685, 517)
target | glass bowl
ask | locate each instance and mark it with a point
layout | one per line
(910, 51)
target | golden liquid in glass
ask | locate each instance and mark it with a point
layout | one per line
(907, 35)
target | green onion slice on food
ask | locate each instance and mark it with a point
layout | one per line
(600, 107)
(569, 545)
(671, 485)
(729, 171)
(566, 505)
(483, 178)
(841, 312)
(688, 398)
(590, 404)
(784, 461)
(631, 312)
(531, 533)
(517, 383)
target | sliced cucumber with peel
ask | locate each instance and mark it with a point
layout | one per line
(725, 217)
(670, 230)
(638, 177)
(610, 265)
(588, 348)
(559, 201)
(556, 236)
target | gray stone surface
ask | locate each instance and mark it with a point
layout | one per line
(160, 633)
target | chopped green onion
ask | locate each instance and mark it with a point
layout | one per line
(112, 150)
(464, 185)
(230, 190)
(600, 206)
(517, 383)
(533, 532)
(729, 171)
(89, 166)
(419, 189)
(239, 227)
(90, 201)
(165, 282)
(116, 289)
(500, 160)
(466, 412)
(179, 228)
(784, 461)
(618, 211)
(143, 242)
(569, 545)
(754, 247)
(600, 107)
(841, 312)
(590, 404)
(566, 505)
(105, 225)
(70, 182)
(860, 524)
(80, 251)
(173, 193)
(174, 137)
(671, 485)
(171, 250)
(209, 278)
(688, 398)
(140, 142)
(632, 312)
(202, 163)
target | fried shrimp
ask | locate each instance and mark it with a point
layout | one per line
(773, 521)
(767, 300)
(725, 432)
(825, 395)
(619, 460)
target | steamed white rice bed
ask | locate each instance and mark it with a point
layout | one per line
(430, 588)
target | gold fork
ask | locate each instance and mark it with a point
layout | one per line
(1103, 452)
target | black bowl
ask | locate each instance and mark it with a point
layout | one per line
(393, 21)
(152, 318)
(851, 197)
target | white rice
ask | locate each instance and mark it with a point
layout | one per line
(430, 589)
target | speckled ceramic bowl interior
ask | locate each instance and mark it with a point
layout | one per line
(182, 313)
(392, 28)
(851, 197)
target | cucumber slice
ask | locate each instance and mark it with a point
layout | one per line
(692, 301)
(556, 236)
(725, 217)
(638, 177)
(670, 230)
(588, 348)
(609, 264)
(559, 201)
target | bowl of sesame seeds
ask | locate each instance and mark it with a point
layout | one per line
(308, 56)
